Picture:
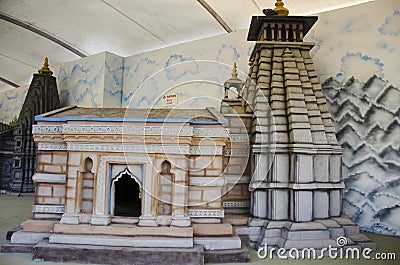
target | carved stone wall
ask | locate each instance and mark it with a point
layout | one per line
(6, 149)
(42, 97)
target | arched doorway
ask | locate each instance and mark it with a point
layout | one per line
(127, 196)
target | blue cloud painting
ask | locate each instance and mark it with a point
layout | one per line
(81, 82)
(11, 103)
(357, 23)
(360, 66)
(391, 26)
(227, 53)
(176, 70)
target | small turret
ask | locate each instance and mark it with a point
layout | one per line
(234, 81)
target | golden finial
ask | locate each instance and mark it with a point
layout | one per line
(45, 70)
(282, 11)
(234, 71)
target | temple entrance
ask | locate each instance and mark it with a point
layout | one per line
(127, 197)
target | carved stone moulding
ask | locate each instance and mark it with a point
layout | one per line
(236, 204)
(127, 129)
(205, 213)
(52, 146)
(130, 130)
(130, 148)
(47, 129)
(54, 209)
(127, 148)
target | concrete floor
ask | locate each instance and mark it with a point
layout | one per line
(14, 210)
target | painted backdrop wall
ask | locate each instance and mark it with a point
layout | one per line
(356, 55)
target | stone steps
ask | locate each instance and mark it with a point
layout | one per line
(121, 241)
(227, 256)
(28, 238)
(317, 234)
(44, 226)
(118, 255)
(241, 230)
(123, 230)
(236, 219)
(219, 243)
(224, 229)
(16, 248)
(195, 255)
(311, 243)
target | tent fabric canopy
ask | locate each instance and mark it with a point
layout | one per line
(65, 30)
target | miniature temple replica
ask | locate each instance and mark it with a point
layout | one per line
(42, 96)
(135, 178)
(196, 185)
(296, 186)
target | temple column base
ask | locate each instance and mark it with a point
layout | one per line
(70, 219)
(147, 220)
(180, 220)
(100, 220)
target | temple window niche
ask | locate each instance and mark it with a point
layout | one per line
(85, 187)
(126, 195)
(165, 189)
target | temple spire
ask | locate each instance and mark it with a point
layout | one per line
(282, 11)
(234, 71)
(45, 70)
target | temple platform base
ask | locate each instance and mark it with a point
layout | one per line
(117, 255)
(318, 234)
(129, 244)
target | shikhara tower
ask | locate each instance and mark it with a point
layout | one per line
(304, 181)
(296, 187)
(42, 96)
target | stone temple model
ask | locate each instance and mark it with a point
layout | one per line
(42, 96)
(296, 187)
(170, 186)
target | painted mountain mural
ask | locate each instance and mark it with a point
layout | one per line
(367, 121)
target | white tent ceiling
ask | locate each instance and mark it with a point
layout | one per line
(64, 30)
